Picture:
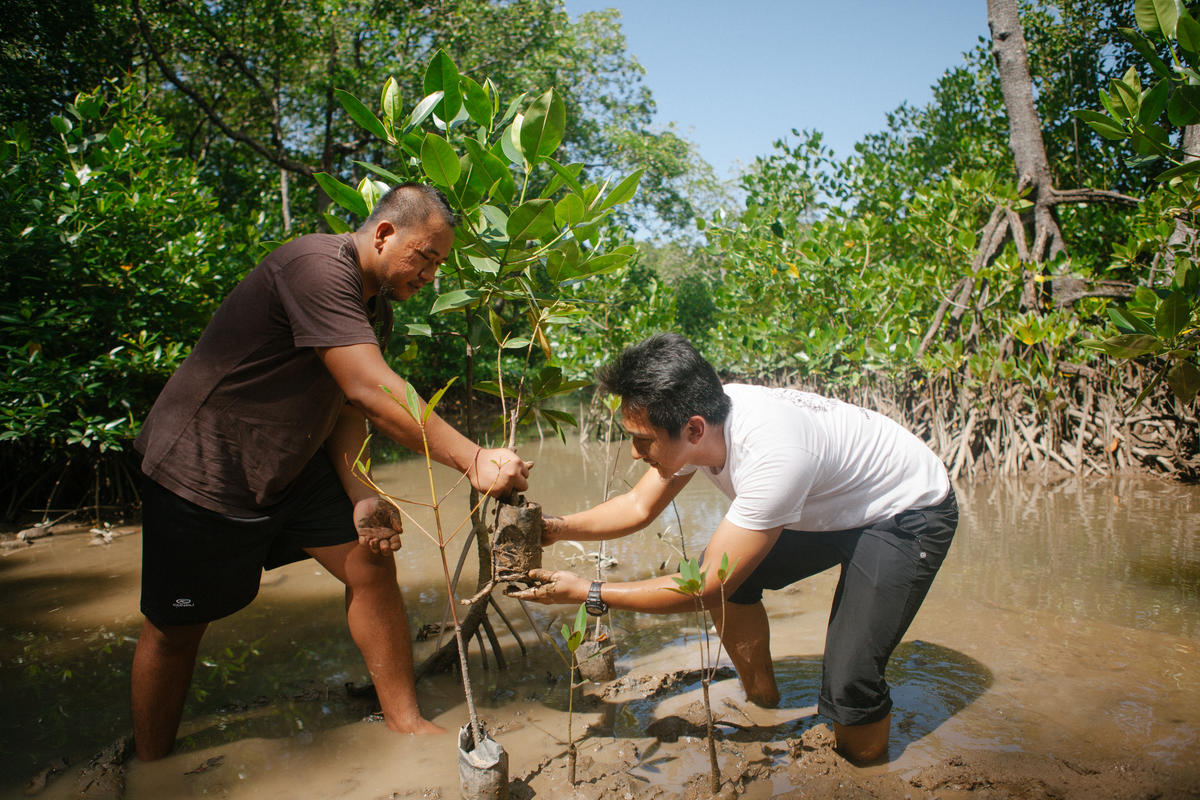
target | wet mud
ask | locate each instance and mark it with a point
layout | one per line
(1058, 655)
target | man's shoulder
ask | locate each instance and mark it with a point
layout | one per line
(338, 247)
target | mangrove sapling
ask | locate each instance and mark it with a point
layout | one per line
(573, 637)
(483, 764)
(690, 583)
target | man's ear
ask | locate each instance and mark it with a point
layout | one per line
(694, 428)
(384, 229)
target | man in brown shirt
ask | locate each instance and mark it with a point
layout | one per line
(246, 455)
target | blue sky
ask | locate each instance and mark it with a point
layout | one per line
(735, 75)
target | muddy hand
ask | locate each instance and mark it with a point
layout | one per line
(554, 586)
(378, 524)
(499, 471)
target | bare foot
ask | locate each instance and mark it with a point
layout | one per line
(418, 726)
(767, 698)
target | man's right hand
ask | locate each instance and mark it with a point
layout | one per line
(499, 471)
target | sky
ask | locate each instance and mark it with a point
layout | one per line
(736, 75)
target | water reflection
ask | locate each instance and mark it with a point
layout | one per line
(1067, 611)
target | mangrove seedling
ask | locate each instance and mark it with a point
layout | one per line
(690, 583)
(497, 759)
(573, 637)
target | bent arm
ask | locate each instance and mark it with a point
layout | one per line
(745, 548)
(360, 371)
(621, 515)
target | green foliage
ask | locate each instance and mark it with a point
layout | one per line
(691, 580)
(1162, 322)
(573, 636)
(113, 263)
(531, 226)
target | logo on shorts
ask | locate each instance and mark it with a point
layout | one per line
(183, 602)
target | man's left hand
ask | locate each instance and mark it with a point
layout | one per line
(555, 586)
(379, 525)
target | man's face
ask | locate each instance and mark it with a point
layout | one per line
(653, 444)
(410, 258)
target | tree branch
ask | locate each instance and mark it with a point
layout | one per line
(275, 158)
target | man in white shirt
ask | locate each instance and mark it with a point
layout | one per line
(814, 483)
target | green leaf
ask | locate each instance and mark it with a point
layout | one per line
(479, 106)
(390, 101)
(371, 191)
(510, 141)
(491, 170)
(1106, 126)
(599, 265)
(543, 126)
(433, 401)
(570, 211)
(1101, 124)
(1129, 322)
(561, 417)
(1145, 49)
(1178, 171)
(390, 177)
(581, 620)
(1187, 33)
(61, 124)
(422, 111)
(1128, 97)
(1173, 315)
(418, 329)
(493, 388)
(1131, 345)
(1184, 380)
(458, 298)
(488, 266)
(442, 76)
(361, 114)
(412, 399)
(1183, 108)
(1156, 16)
(1154, 102)
(623, 192)
(439, 160)
(568, 176)
(533, 219)
(345, 196)
(336, 224)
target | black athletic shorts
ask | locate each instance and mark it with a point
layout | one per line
(887, 568)
(200, 565)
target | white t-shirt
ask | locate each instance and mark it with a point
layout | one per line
(811, 463)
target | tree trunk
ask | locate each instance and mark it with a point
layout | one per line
(1025, 137)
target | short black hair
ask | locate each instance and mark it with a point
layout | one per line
(410, 204)
(667, 378)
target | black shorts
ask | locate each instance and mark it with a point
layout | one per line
(887, 568)
(200, 565)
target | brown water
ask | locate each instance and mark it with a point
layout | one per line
(1066, 620)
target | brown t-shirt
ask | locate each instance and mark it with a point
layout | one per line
(252, 403)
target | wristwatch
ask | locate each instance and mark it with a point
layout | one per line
(594, 605)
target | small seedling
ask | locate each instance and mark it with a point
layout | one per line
(573, 636)
(691, 583)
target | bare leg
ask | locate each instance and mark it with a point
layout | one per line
(863, 744)
(162, 671)
(378, 625)
(746, 634)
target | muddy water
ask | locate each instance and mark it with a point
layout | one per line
(1066, 620)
